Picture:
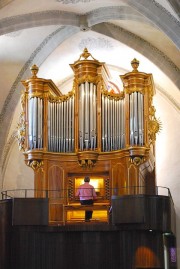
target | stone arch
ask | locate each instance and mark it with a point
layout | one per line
(145, 48)
(150, 9)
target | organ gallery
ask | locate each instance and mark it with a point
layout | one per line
(106, 133)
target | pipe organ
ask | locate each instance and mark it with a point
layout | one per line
(91, 130)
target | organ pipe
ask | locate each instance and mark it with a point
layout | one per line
(136, 118)
(30, 117)
(72, 123)
(87, 116)
(35, 123)
(112, 123)
(94, 116)
(61, 126)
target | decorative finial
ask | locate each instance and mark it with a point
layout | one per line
(86, 55)
(135, 64)
(34, 71)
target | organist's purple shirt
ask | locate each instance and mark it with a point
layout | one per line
(86, 192)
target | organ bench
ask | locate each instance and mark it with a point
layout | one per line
(78, 207)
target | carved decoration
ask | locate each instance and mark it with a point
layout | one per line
(88, 78)
(64, 97)
(134, 82)
(154, 125)
(86, 54)
(21, 127)
(35, 164)
(34, 71)
(87, 163)
(135, 65)
(87, 159)
(113, 95)
(137, 160)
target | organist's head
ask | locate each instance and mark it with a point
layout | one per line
(86, 179)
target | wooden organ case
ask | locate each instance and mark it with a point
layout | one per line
(90, 131)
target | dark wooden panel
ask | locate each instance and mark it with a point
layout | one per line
(5, 233)
(30, 211)
(56, 249)
(127, 209)
(149, 212)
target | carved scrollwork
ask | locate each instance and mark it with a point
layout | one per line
(154, 125)
(87, 159)
(137, 160)
(35, 164)
(113, 95)
(59, 99)
(21, 126)
(87, 163)
(21, 132)
(88, 78)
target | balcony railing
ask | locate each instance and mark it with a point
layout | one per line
(69, 194)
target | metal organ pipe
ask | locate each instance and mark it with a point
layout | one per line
(58, 125)
(115, 125)
(131, 120)
(136, 119)
(54, 126)
(108, 125)
(66, 122)
(72, 123)
(112, 123)
(117, 116)
(40, 134)
(69, 127)
(35, 122)
(87, 116)
(91, 119)
(61, 125)
(94, 116)
(141, 118)
(48, 124)
(120, 123)
(122, 133)
(81, 113)
(64, 127)
(102, 123)
(31, 123)
(135, 107)
(105, 123)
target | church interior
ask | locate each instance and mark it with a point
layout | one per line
(89, 88)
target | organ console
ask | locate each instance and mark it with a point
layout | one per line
(92, 130)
